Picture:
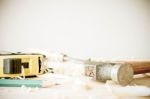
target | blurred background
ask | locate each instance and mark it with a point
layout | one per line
(105, 29)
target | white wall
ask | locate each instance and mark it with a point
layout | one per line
(108, 29)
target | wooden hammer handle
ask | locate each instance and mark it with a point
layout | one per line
(140, 67)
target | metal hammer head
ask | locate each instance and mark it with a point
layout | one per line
(118, 72)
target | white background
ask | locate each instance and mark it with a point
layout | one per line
(106, 29)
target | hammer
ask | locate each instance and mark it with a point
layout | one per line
(120, 72)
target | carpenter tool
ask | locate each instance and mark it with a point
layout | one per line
(20, 64)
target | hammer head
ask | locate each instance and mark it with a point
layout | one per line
(118, 72)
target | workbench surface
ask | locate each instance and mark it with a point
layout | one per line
(68, 87)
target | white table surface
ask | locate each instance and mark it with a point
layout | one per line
(75, 87)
